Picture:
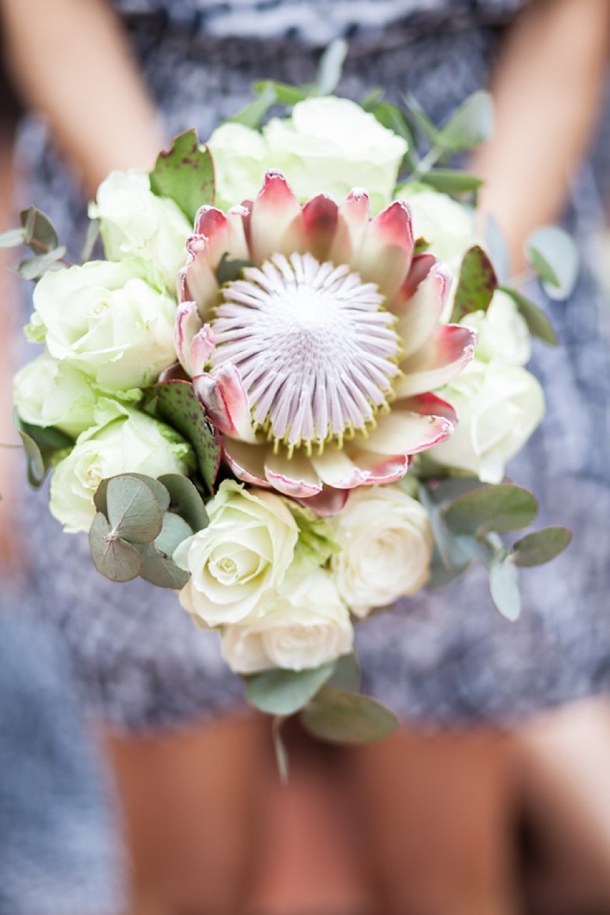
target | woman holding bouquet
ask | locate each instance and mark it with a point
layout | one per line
(446, 659)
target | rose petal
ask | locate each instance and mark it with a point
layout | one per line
(226, 402)
(353, 218)
(276, 221)
(419, 315)
(403, 432)
(387, 250)
(294, 477)
(320, 219)
(444, 356)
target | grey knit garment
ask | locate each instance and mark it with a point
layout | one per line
(442, 658)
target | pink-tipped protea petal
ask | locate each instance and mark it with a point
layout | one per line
(429, 405)
(246, 461)
(353, 218)
(419, 315)
(327, 503)
(419, 270)
(379, 468)
(404, 432)
(200, 350)
(387, 250)
(212, 223)
(320, 219)
(226, 402)
(337, 470)
(447, 352)
(187, 324)
(294, 477)
(238, 219)
(197, 281)
(276, 220)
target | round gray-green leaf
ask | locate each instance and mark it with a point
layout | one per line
(504, 507)
(541, 546)
(504, 586)
(284, 692)
(185, 500)
(554, 257)
(339, 716)
(133, 510)
(114, 558)
(174, 531)
(159, 570)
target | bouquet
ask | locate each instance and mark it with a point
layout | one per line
(290, 389)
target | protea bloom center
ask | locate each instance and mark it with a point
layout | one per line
(318, 361)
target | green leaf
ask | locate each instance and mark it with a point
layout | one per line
(476, 285)
(541, 546)
(113, 557)
(185, 500)
(537, 322)
(252, 115)
(504, 585)
(347, 673)
(39, 230)
(554, 257)
(496, 244)
(372, 98)
(174, 531)
(330, 66)
(230, 270)
(392, 117)
(421, 245)
(450, 181)
(442, 574)
(12, 239)
(35, 462)
(133, 511)
(421, 119)
(285, 94)
(339, 716)
(470, 125)
(284, 692)
(177, 404)
(185, 173)
(453, 488)
(504, 507)
(93, 233)
(453, 548)
(281, 753)
(159, 570)
(32, 268)
(158, 490)
(46, 437)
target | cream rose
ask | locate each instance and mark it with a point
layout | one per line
(447, 225)
(386, 542)
(137, 223)
(47, 392)
(308, 626)
(133, 443)
(503, 333)
(109, 322)
(239, 561)
(241, 158)
(498, 405)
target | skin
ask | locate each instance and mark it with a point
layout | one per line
(431, 814)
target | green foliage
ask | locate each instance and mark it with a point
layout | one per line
(281, 753)
(185, 173)
(173, 532)
(230, 270)
(32, 268)
(469, 126)
(541, 546)
(38, 229)
(554, 258)
(284, 93)
(159, 570)
(252, 115)
(185, 500)
(284, 692)
(176, 403)
(537, 322)
(451, 181)
(93, 233)
(133, 511)
(340, 716)
(113, 557)
(502, 508)
(504, 585)
(40, 446)
(330, 67)
(347, 673)
(476, 285)
(13, 238)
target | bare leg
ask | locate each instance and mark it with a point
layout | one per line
(436, 815)
(191, 802)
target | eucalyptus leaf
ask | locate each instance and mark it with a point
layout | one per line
(454, 487)
(185, 500)
(330, 66)
(185, 174)
(133, 511)
(453, 548)
(441, 573)
(159, 570)
(174, 531)
(284, 692)
(392, 117)
(158, 490)
(504, 586)
(554, 257)
(504, 507)
(541, 546)
(421, 119)
(476, 285)
(13, 238)
(46, 437)
(285, 94)
(339, 716)
(537, 322)
(450, 181)
(372, 98)
(32, 268)
(93, 233)
(39, 231)
(496, 244)
(252, 115)
(113, 557)
(470, 125)
(347, 673)
(35, 462)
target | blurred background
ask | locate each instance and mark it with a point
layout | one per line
(116, 795)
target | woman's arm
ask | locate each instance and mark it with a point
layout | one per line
(71, 62)
(547, 90)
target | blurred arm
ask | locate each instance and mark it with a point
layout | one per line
(71, 62)
(547, 91)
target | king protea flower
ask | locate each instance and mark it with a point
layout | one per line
(317, 363)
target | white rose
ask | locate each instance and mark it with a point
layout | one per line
(386, 542)
(240, 159)
(109, 322)
(331, 145)
(447, 225)
(134, 443)
(503, 333)
(47, 392)
(137, 223)
(498, 405)
(308, 626)
(239, 561)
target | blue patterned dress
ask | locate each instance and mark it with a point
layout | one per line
(446, 657)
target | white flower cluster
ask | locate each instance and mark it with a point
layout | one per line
(279, 582)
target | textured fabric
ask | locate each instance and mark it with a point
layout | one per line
(58, 848)
(446, 657)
